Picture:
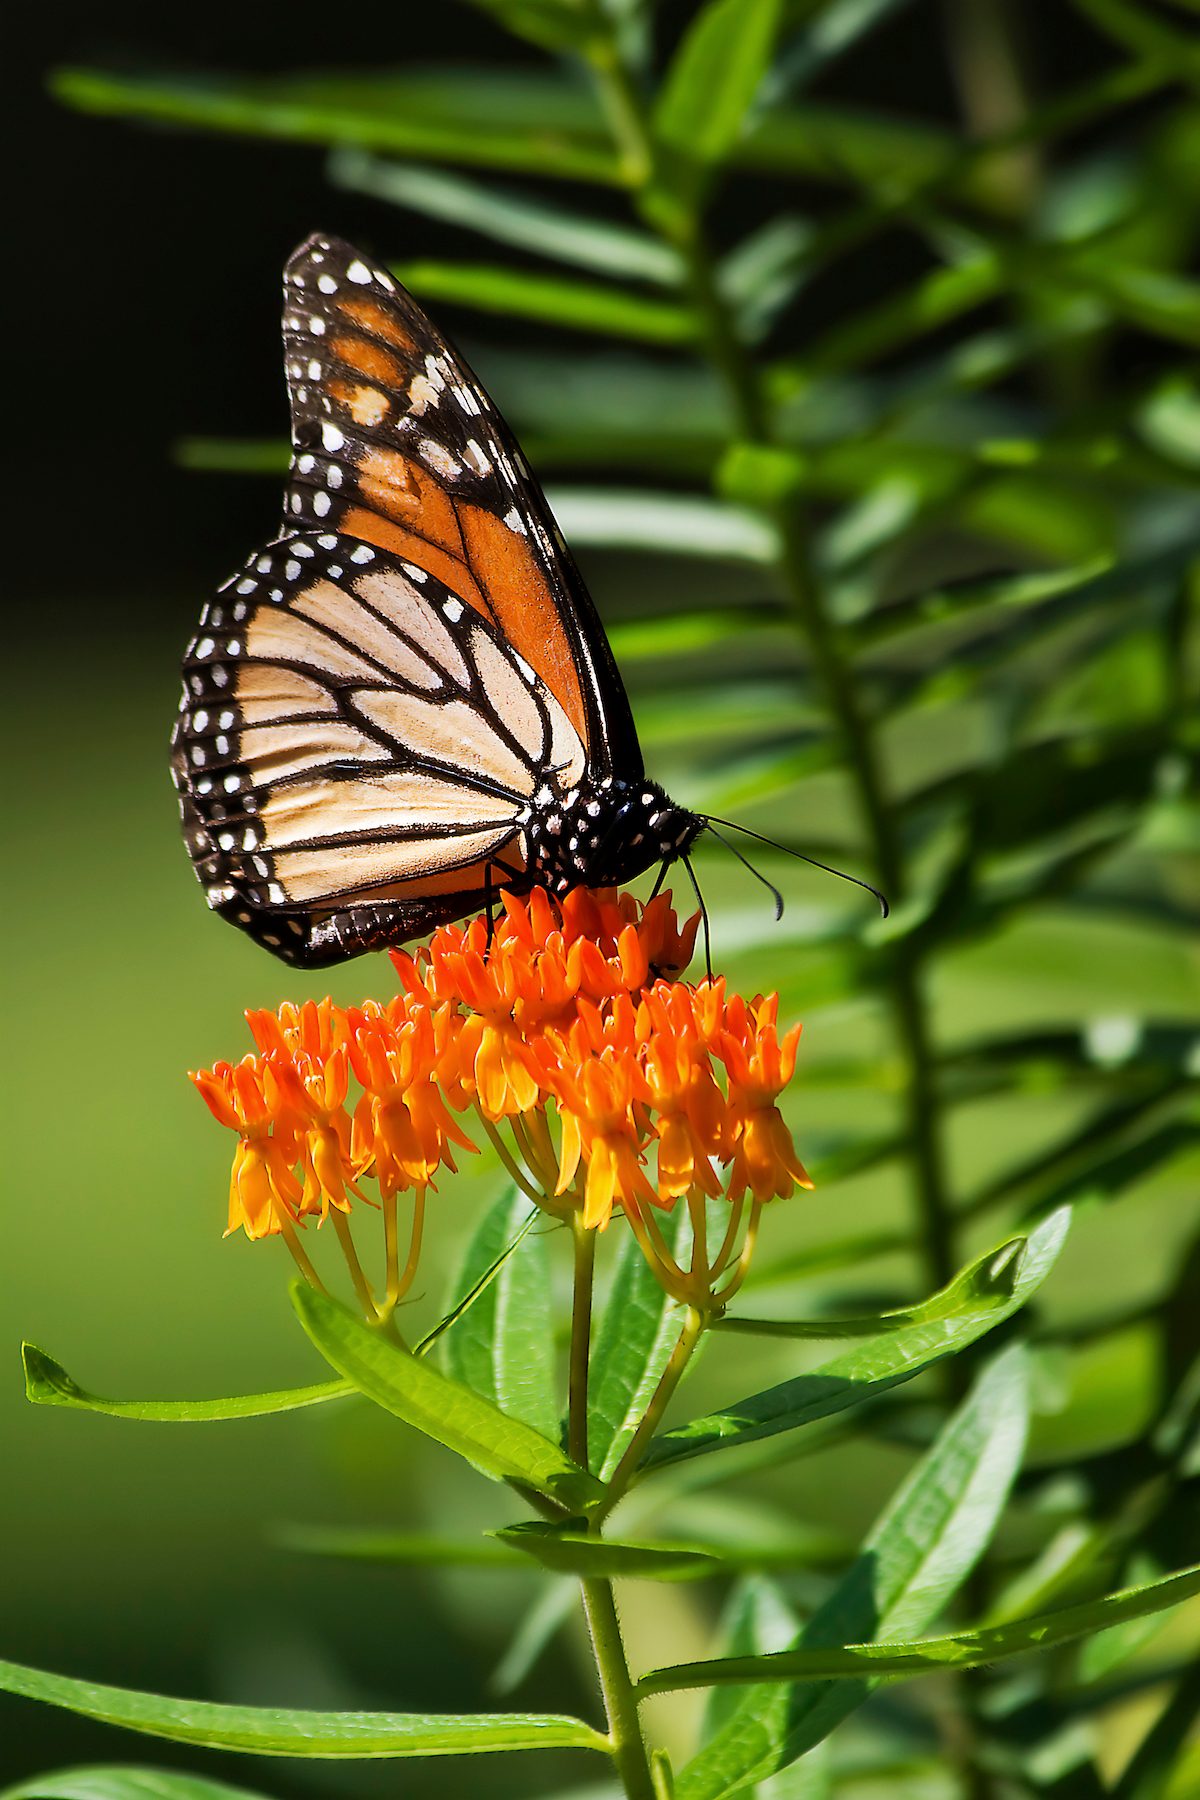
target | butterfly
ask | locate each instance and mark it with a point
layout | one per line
(406, 700)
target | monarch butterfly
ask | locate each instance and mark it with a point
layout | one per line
(408, 693)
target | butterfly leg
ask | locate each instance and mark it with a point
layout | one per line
(489, 893)
(686, 861)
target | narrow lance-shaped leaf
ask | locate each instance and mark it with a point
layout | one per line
(575, 1553)
(987, 1282)
(48, 1384)
(925, 1543)
(710, 86)
(506, 1449)
(530, 223)
(282, 1731)
(969, 1649)
(665, 524)
(868, 1370)
(536, 123)
(113, 1781)
(551, 300)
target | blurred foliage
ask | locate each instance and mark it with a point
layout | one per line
(928, 610)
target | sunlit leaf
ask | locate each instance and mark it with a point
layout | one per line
(922, 1547)
(959, 1650)
(865, 1372)
(503, 1344)
(48, 1384)
(280, 1731)
(988, 1282)
(667, 524)
(550, 299)
(505, 1448)
(525, 220)
(113, 1782)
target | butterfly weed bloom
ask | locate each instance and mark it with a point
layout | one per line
(564, 1034)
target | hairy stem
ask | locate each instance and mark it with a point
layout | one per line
(620, 1700)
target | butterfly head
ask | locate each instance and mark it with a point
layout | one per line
(604, 832)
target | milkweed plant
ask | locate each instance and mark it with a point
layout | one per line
(935, 623)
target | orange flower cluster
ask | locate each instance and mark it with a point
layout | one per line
(603, 1081)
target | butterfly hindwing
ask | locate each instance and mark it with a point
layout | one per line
(396, 443)
(357, 749)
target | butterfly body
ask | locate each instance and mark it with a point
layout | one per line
(406, 701)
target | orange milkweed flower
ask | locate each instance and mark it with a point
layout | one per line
(564, 1025)
(596, 1106)
(402, 1130)
(763, 1157)
(247, 1098)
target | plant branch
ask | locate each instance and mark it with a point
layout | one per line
(620, 1699)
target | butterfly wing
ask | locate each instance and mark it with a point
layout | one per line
(357, 749)
(396, 443)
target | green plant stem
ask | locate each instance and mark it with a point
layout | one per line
(910, 1013)
(620, 1699)
(581, 1342)
(681, 1355)
(599, 1605)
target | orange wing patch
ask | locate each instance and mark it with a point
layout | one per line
(362, 310)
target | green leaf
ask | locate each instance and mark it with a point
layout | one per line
(1161, 1753)
(989, 1281)
(551, 300)
(925, 1543)
(835, 29)
(865, 1372)
(529, 223)
(638, 1330)
(504, 1448)
(280, 1731)
(551, 24)
(710, 86)
(575, 1553)
(540, 124)
(969, 1649)
(667, 524)
(503, 1344)
(114, 1782)
(406, 1549)
(48, 1384)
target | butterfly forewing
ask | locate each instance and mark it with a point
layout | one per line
(407, 700)
(396, 443)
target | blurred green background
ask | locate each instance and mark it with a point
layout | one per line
(989, 380)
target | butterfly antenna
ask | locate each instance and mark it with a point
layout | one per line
(732, 825)
(747, 864)
(686, 860)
